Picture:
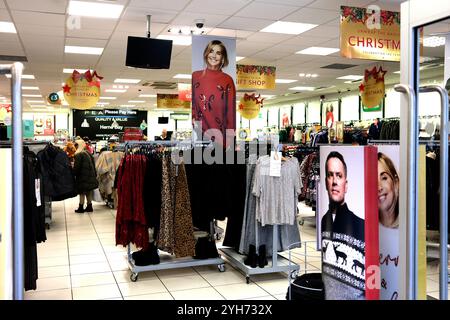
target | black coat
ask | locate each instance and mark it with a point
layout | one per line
(85, 173)
(59, 183)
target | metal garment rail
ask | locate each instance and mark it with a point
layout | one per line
(15, 70)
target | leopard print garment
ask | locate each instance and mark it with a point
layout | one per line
(166, 230)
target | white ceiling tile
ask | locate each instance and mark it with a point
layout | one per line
(297, 3)
(336, 4)
(80, 59)
(8, 37)
(216, 7)
(230, 33)
(50, 6)
(85, 42)
(269, 37)
(38, 18)
(91, 33)
(2, 4)
(265, 11)
(189, 18)
(303, 42)
(11, 50)
(169, 5)
(334, 43)
(126, 26)
(247, 48)
(269, 55)
(140, 14)
(50, 31)
(247, 24)
(4, 15)
(390, 5)
(95, 23)
(323, 31)
(309, 15)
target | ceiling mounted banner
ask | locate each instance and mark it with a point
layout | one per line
(185, 91)
(82, 90)
(171, 101)
(370, 33)
(255, 77)
(372, 89)
(250, 105)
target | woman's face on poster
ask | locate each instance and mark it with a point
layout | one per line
(386, 190)
(215, 57)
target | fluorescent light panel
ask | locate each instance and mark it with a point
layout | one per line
(96, 10)
(147, 96)
(177, 40)
(108, 98)
(350, 77)
(7, 27)
(35, 101)
(302, 88)
(24, 76)
(116, 90)
(284, 80)
(32, 95)
(433, 42)
(83, 50)
(319, 51)
(288, 27)
(118, 80)
(238, 58)
(182, 76)
(29, 88)
(136, 101)
(70, 70)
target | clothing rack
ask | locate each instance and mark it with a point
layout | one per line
(168, 261)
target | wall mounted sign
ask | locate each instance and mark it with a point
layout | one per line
(82, 90)
(370, 33)
(250, 105)
(372, 89)
(255, 77)
(53, 98)
(185, 91)
(171, 101)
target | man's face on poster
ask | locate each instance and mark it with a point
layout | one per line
(336, 180)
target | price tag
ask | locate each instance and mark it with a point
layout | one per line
(275, 164)
(37, 189)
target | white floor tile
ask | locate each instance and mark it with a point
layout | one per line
(221, 278)
(83, 244)
(107, 235)
(53, 261)
(274, 286)
(64, 294)
(262, 298)
(175, 273)
(86, 268)
(92, 279)
(141, 287)
(280, 296)
(197, 294)
(52, 253)
(153, 296)
(184, 283)
(53, 283)
(87, 258)
(86, 250)
(241, 291)
(51, 272)
(96, 292)
(87, 236)
(118, 265)
(124, 276)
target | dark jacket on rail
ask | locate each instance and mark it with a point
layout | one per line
(85, 173)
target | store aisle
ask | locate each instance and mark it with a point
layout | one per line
(80, 261)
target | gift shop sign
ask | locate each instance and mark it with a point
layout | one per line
(82, 90)
(171, 101)
(372, 89)
(255, 77)
(370, 33)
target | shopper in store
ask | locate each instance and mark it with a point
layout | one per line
(214, 96)
(89, 147)
(163, 135)
(388, 191)
(342, 237)
(85, 176)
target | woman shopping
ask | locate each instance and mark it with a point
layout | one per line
(85, 176)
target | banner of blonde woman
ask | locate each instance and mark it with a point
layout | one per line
(255, 77)
(171, 101)
(370, 33)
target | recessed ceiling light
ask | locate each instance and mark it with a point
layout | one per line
(136, 101)
(320, 51)
(267, 96)
(314, 75)
(147, 96)
(32, 95)
(177, 40)
(118, 80)
(108, 98)
(24, 76)
(100, 103)
(29, 88)
(70, 70)
(288, 27)
(350, 77)
(128, 105)
(349, 82)
(116, 90)
(7, 27)
(239, 58)
(301, 75)
(182, 76)
(302, 88)
(284, 80)
(396, 72)
(35, 101)
(308, 75)
(433, 42)
(38, 108)
(97, 10)
(83, 50)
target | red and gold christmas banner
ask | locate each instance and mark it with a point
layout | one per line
(372, 89)
(82, 90)
(370, 34)
(255, 77)
(185, 91)
(171, 101)
(250, 105)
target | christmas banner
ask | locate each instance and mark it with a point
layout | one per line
(370, 33)
(348, 214)
(255, 77)
(171, 101)
(250, 105)
(82, 90)
(372, 89)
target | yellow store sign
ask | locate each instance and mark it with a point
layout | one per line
(255, 77)
(82, 90)
(370, 33)
(171, 101)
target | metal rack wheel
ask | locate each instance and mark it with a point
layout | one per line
(221, 267)
(247, 279)
(294, 274)
(134, 276)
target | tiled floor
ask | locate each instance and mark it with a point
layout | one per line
(80, 261)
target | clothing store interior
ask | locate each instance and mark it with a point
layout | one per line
(204, 150)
